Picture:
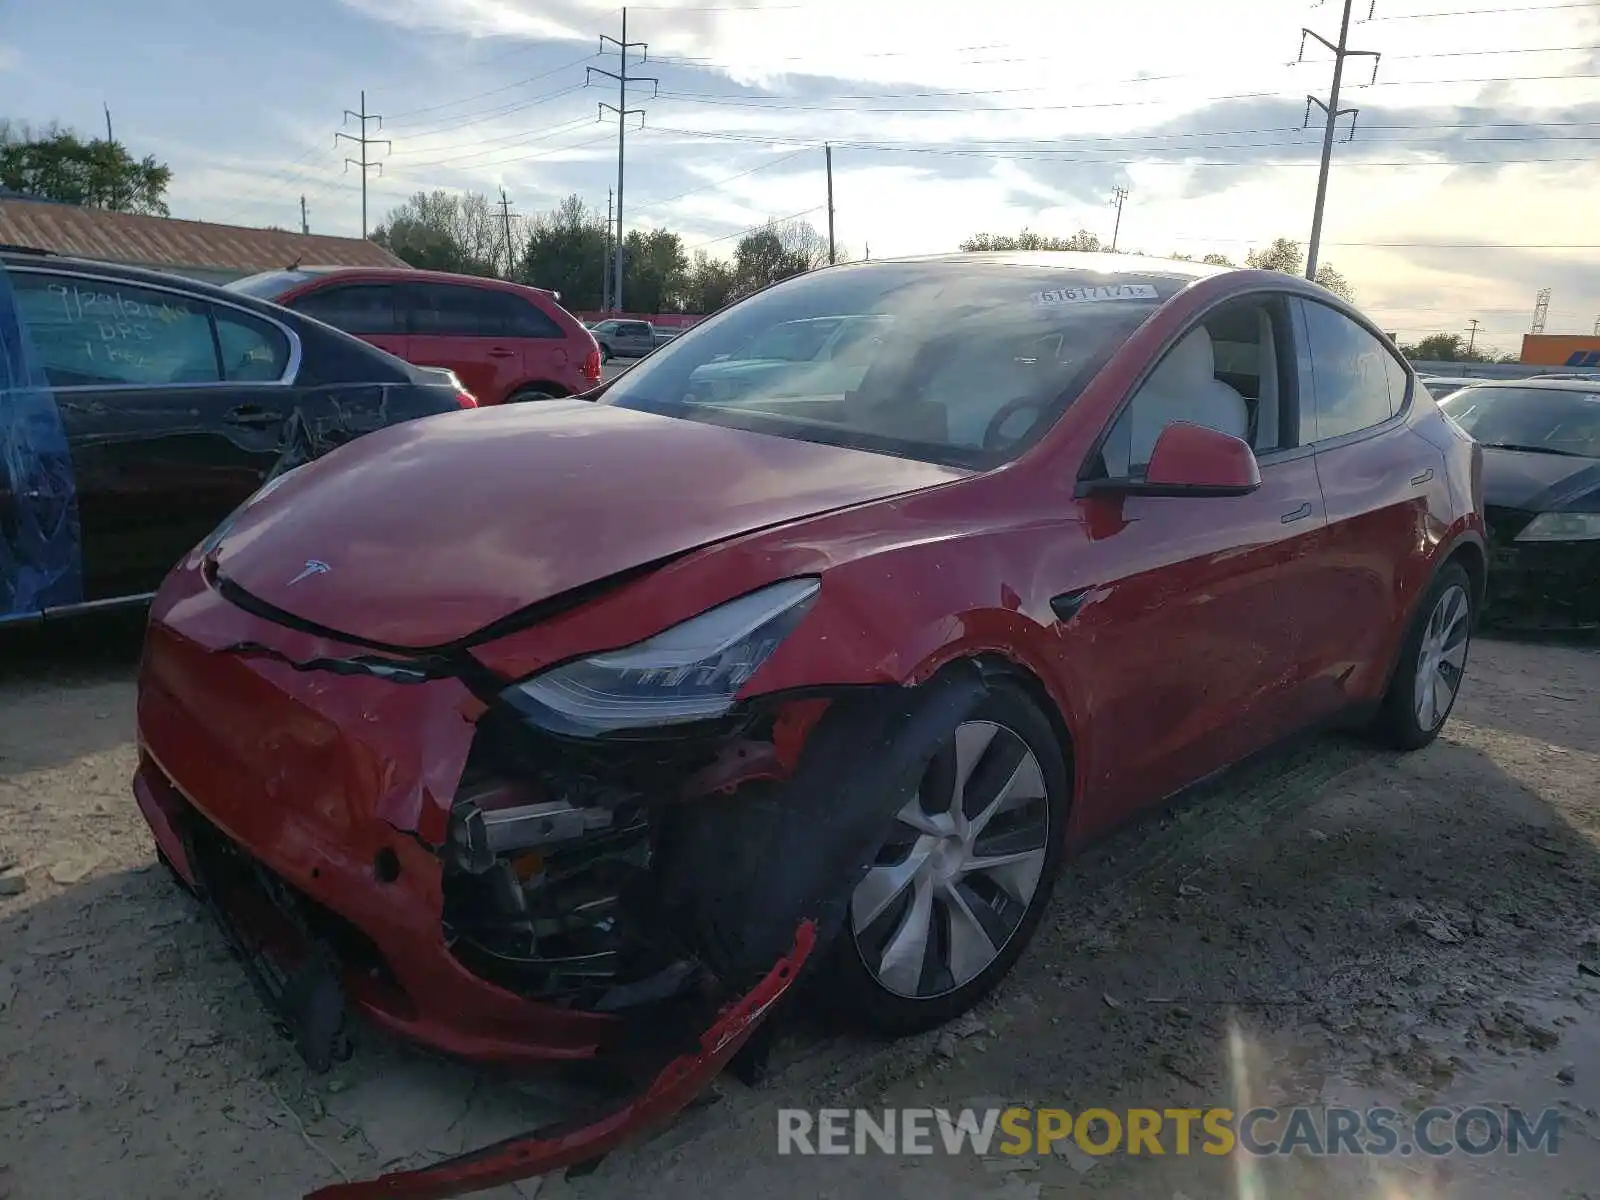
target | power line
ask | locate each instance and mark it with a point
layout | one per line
(401, 118)
(804, 212)
(504, 110)
(968, 110)
(1063, 156)
(363, 162)
(716, 183)
(1480, 12)
(623, 112)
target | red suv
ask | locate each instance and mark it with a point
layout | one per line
(504, 341)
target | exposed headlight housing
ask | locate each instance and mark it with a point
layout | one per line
(1562, 527)
(690, 672)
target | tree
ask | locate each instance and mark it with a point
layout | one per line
(440, 231)
(566, 251)
(775, 252)
(655, 271)
(1217, 260)
(710, 284)
(1028, 240)
(1284, 255)
(59, 165)
(1443, 347)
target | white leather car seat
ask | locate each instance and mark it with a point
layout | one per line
(1269, 404)
(1184, 387)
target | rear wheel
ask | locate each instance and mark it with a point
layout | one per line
(532, 393)
(1433, 662)
(961, 882)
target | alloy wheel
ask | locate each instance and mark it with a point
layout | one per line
(1442, 657)
(960, 869)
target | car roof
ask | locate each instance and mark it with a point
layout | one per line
(136, 275)
(1541, 385)
(415, 274)
(1100, 263)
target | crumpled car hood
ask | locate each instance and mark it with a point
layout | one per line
(424, 533)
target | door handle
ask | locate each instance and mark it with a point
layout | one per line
(1298, 514)
(502, 352)
(1417, 480)
(254, 416)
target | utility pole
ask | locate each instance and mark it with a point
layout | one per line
(109, 136)
(1332, 112)
(827, 151)
(1597, 327)
(363, 162)
(305, 223)
(623, 113)
(1118, 197)
(1472, 334)
(505, 215)
(1541, 310)
(605, 263)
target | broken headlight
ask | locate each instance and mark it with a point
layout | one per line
(690, 672)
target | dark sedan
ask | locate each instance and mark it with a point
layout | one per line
(137, 410)
(1541, 485)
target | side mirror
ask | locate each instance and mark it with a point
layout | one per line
(1191, 460)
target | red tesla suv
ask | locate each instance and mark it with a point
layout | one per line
(574, 729)
(504, 341)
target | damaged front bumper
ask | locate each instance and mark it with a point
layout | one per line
(403, 848)
(575, 1143)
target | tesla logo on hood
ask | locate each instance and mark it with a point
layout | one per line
(314, 566)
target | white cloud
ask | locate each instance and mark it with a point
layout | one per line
(1029, 114)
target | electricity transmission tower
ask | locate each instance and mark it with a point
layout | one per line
(1541, 310)
(363, 141)
(623, 112)
(1332, 112)
(1117, 198)
(505, 216)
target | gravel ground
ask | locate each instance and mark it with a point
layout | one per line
(1335, 925)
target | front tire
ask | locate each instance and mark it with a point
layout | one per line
(1433, 661)
(962, 880)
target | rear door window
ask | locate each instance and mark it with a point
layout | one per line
(103, 333)
(253, 350)
(526, 320)
(358, 308)
(452, 310)
(1350, 371)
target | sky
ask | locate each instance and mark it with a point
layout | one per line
(1470, 181)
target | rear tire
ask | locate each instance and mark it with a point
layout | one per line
(527, 394)
(1433, 660)
(929, 890)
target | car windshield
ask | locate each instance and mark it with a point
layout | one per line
(948, 361)
(269, 285)
(1556, 420)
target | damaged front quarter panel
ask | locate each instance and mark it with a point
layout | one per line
(755, 883)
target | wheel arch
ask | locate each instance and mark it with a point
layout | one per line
(556, 390)
(999, 666)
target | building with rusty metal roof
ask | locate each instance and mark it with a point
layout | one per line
(196, 249)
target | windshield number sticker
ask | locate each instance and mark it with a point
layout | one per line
(1102, 294)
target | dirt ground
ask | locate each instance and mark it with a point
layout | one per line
(1334, 926)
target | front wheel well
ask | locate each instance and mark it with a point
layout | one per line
(1010, 669)
(1470, 555)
